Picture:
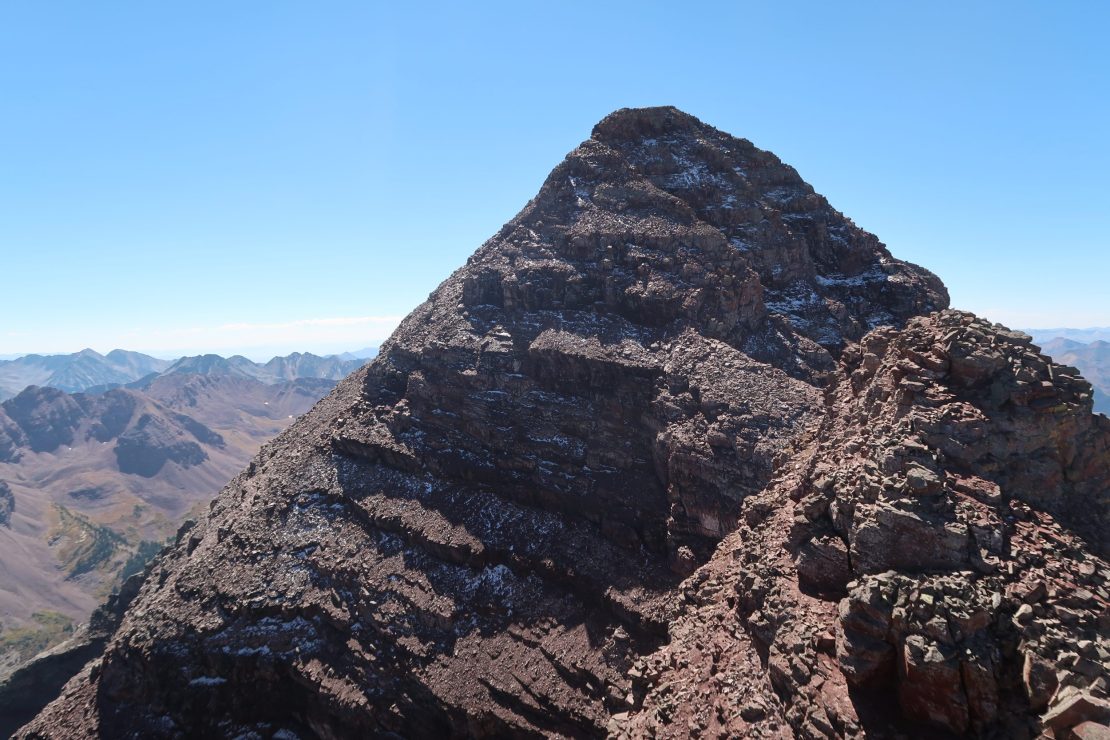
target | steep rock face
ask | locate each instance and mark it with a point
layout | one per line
(828, 279)
(12, 438)
(936, 557)
(481, 532)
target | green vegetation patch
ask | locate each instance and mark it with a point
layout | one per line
(47, 629)
(144, 553)
(84, 545)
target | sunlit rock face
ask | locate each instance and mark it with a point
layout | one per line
(932, 564)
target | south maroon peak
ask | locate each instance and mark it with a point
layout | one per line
(481, 531)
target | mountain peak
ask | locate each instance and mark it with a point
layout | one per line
(516, 488)
(664, 220)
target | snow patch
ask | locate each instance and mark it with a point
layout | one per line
(494, 578)
(874, 275)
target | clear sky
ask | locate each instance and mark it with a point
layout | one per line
(270, 176)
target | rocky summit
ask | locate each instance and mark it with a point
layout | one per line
(680, 451)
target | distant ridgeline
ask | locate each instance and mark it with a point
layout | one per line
(91, 371)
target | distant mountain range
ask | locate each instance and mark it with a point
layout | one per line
(90, 371)
(290, 367)
(76, 372)
(91, 485)
(1092, 334)
(366, 353)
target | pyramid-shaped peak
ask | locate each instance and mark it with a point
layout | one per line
(664, 220)
(554, 439)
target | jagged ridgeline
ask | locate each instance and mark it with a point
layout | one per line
(486, 530)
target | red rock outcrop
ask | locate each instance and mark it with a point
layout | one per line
(933, 562)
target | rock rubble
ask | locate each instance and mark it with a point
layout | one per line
(934, 559)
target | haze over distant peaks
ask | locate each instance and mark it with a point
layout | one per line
(77, 371)
(1090, 334)
(290, 367)
(89, 370)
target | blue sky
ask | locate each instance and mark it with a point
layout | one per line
(264, 177)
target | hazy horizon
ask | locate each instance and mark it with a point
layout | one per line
(319, 336)
(259, 354)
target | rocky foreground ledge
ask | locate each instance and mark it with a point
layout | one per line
(934, 560)
(681, 451)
